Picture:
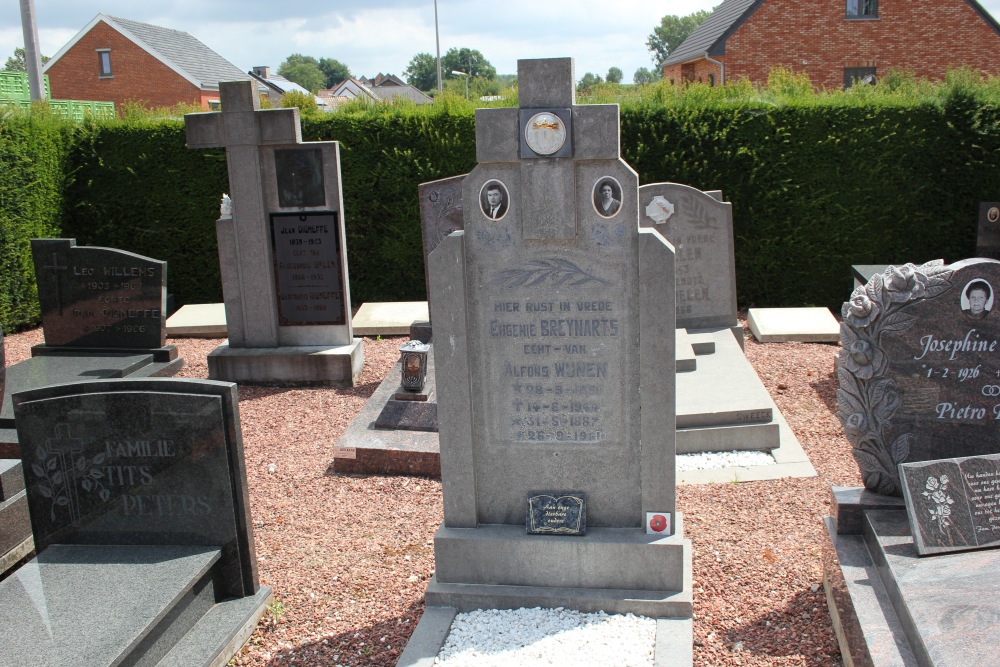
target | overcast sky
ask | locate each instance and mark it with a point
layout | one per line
(373, 36)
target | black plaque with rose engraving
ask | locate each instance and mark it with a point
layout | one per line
(953, 504)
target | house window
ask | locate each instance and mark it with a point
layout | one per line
(711, 79)
(858, 75)
(103, 63)
(862, 9)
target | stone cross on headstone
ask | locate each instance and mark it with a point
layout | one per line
(283, 252)
(274, 175)
(55, 267)
(241, 128)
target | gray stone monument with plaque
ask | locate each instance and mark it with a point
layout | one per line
(559, 370)
(919, 398)
(283, 251)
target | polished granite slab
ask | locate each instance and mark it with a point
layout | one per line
(96, 605)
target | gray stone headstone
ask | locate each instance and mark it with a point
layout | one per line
(700, 227)
(139, 462)
(988, 236)
(554, 320)
(99, 297)
(441, 213)
(918, 371)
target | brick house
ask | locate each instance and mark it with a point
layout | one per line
(114, 59)
(837, 42)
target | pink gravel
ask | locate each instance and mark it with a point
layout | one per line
(349, 557)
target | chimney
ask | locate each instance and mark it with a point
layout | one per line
(262, 71)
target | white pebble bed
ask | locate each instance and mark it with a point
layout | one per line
(548, 637)
(706, 460)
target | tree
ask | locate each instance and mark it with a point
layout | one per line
(17, 63)
(589, 79)
(614, 75)
(470, 61)
(303, 70)
(671, 32)
(422, 72)
(306, 103)
(334, 71)
(643, 76)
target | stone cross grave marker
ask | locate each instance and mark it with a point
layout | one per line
(919, 367)
(284, 265)
(558, 375)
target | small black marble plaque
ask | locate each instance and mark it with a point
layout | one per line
(307, 269)
(953, 504)
(99, 297)
(151, 461)
(557, 513)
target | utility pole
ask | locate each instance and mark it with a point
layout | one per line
(437, 38)
(32, 60)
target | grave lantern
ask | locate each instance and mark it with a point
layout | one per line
(413, 359)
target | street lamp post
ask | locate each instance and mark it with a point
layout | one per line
(455, 71)
(32, 59)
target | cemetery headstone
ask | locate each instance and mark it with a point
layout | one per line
(282, 251)
(988, 236)
(919, 400)
(136, 489)
(558, 373)
(103, 316)
(100, 299)
(917, 368)
(441, 213)
(15, 528)
(701, 229)
(953, 504)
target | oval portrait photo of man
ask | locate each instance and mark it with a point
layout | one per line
(607, 197)
(494, 199)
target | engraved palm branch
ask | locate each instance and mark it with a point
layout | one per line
(555, 271)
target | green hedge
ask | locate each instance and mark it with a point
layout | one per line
(33, 152)
(816, 187)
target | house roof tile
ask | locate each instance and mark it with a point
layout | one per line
(710, 36)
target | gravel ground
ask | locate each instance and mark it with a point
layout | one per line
(349, 557)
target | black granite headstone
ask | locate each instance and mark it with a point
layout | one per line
(953, 504)
(557, 513)
(988, 236)
(919, 367)
(141, 462)
(99, 297)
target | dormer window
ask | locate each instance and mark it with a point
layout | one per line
(862, 9)
(104, 63)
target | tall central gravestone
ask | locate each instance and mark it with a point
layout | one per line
(283, 250)
(554, 328)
